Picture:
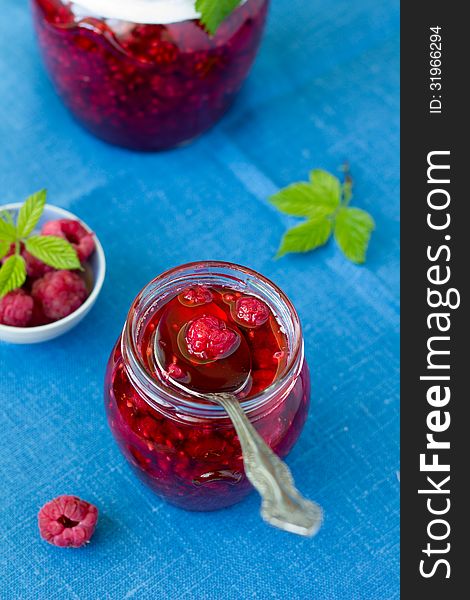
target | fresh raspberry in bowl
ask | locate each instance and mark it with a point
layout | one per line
(59, 293)
(16, 309)
(74, 232)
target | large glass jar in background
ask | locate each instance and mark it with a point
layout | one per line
(186, 450)
(143, 73)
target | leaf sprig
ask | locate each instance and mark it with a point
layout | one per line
(324, 202)
(213, 12)
(51, 250)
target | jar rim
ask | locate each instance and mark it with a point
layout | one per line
(177, 397)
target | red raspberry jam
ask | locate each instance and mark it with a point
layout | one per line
(184, 447)
(146, 85)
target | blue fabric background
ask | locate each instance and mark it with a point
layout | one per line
(324, 89)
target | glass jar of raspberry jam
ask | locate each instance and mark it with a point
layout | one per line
(144, 73)
(209, 319)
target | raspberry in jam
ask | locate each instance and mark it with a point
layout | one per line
(205, 327)
(144, 73)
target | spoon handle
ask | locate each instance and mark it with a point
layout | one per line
(282, 504)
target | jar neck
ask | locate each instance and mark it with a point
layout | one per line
(158, 292)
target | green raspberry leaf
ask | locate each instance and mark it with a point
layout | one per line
(213, 12)
(7, 216)
(353, 228)
(326, 184)
(324, 202)
(53, 251)
(306, 200)
(30, 213)
(4, 247)
(306, 236)
(12, 274)
(7, 231)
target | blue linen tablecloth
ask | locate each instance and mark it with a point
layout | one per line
(324, 89)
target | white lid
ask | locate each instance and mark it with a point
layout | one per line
(138, 11)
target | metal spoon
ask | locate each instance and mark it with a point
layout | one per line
(282, 504)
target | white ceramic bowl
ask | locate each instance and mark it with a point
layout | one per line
(42, 333)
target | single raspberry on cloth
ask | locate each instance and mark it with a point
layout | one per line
(67, 521)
